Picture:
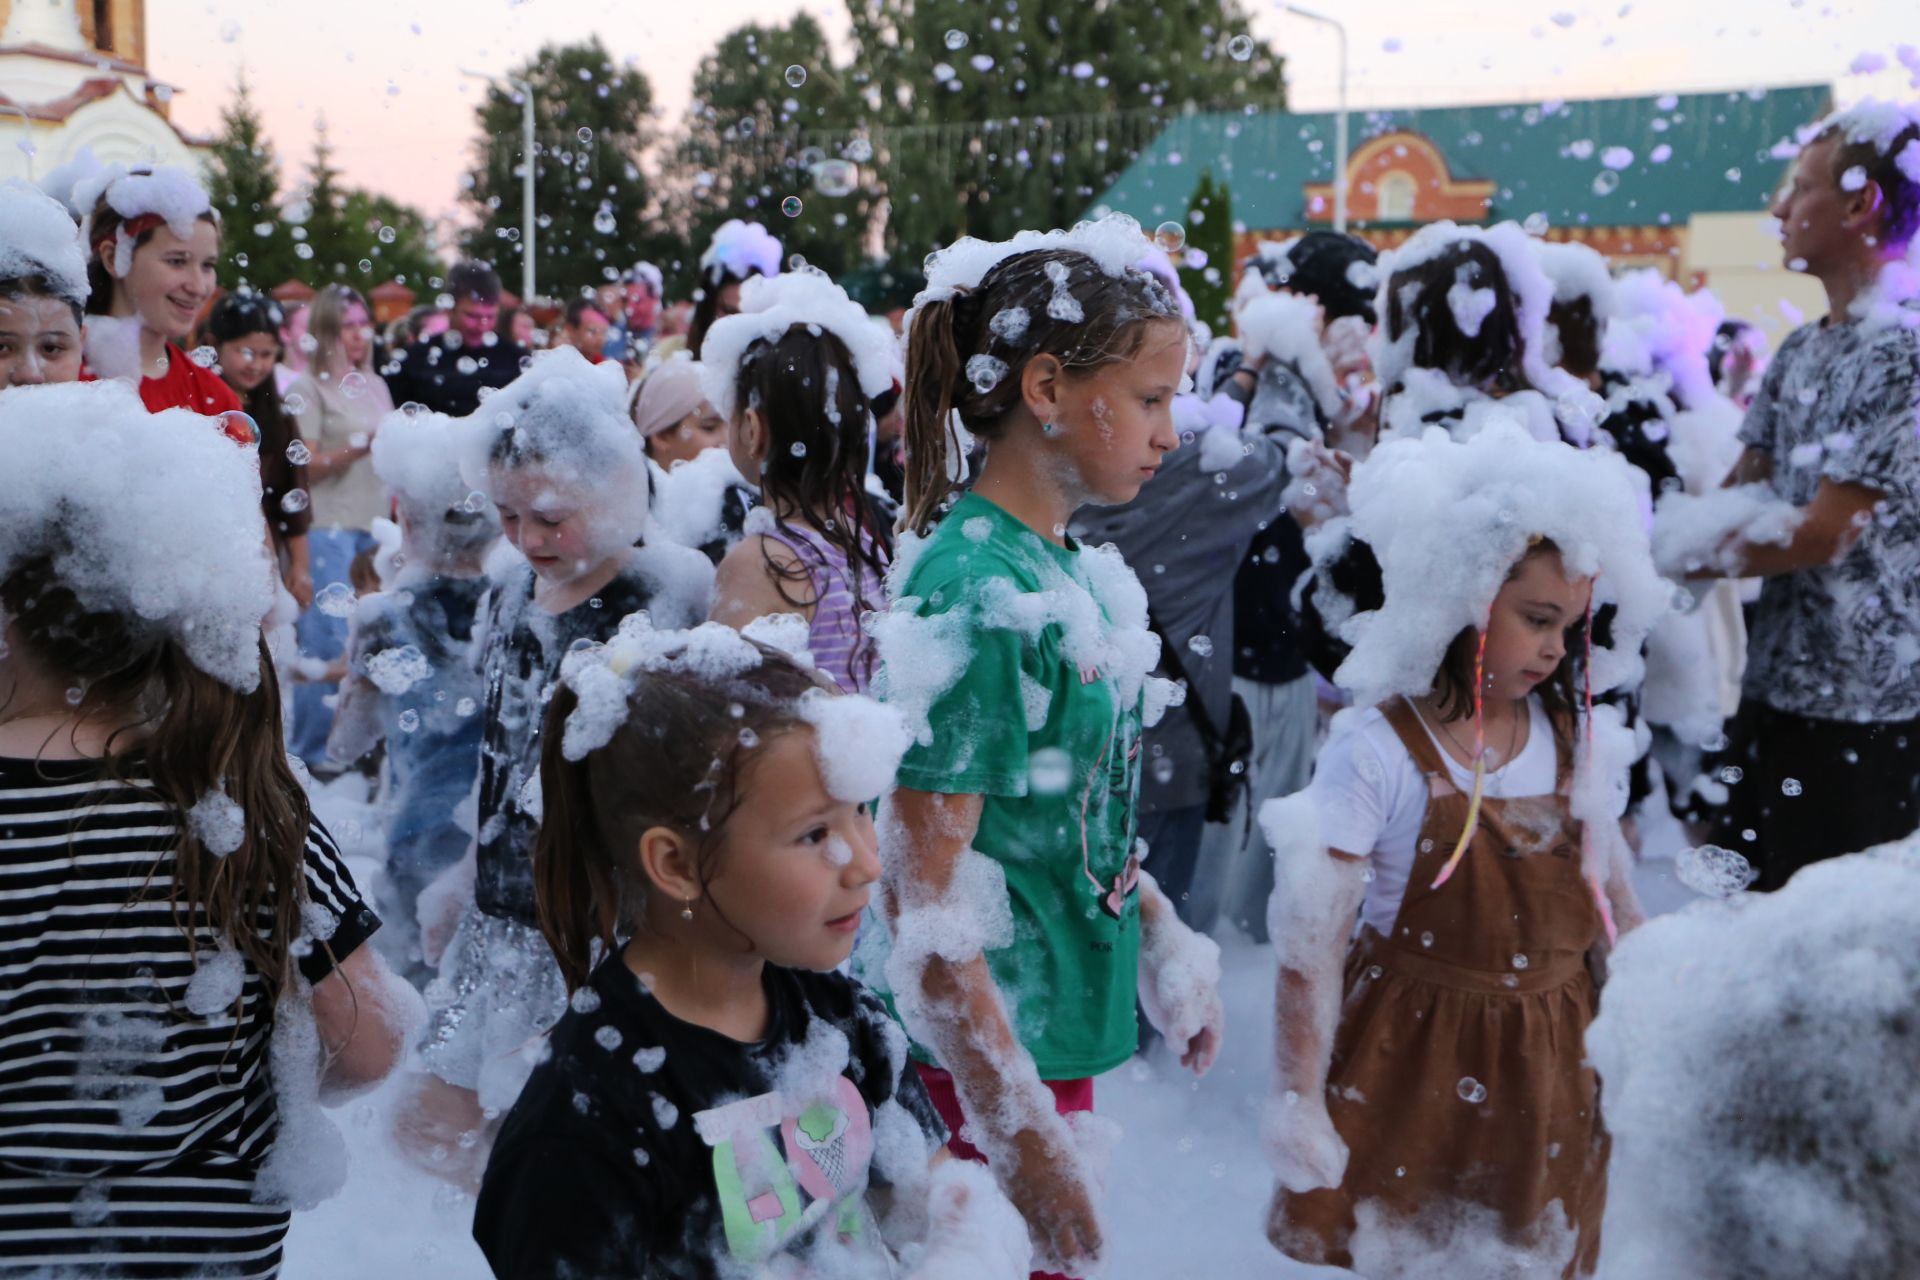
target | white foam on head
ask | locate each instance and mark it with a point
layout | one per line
(689, 504)
(1449, 519)
(154, 517)
(1287, 327)
(1577, 271)
(1758, 1054)
(737, 250)
(37, 238)
(859, 743)
(570, 415)
(1658, 327)
(1115, 243)
(169, 191)
(769, 307)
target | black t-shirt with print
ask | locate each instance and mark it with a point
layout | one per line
(644, 1146)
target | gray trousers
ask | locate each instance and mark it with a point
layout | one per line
(1234, 878)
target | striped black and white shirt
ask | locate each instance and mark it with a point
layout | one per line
(131, 1129)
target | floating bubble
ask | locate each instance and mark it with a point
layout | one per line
(205, 357)
(1240, 48)
(1471, 1091)
(409, 720)
(1171, 236)
(796, 76)
(1520, 961)
(294, 501)
(583, 133)
(1790, 786)
(798, 449)
(956, 39)
(1713, 871)
(791, 206)
(1202, 645)
(603, 220)
(298, 453)
(354, 385)
(335, 600)
(388, 235)
(1605, 182)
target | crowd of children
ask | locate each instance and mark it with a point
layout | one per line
(782, 831)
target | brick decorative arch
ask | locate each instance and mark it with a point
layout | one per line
(1437, 193)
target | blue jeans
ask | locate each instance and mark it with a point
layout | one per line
(330, 554)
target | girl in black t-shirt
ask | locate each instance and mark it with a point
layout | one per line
(719, 1100)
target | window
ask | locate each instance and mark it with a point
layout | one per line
(103, 25)
(1397, 191)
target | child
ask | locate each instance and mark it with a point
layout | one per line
(43, 289)
(1022, 927)
(738, 252)
(719, 1100)
(1484, 865)
(153, 242)
(1463, 312)
(555, 454)
(413, 683)
(700, 500)
(184, 948)
(794, 375)
(243, 329)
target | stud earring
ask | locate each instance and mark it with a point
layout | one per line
(686, 912)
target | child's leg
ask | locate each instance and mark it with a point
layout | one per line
(442, 1128)
(1069, 1096)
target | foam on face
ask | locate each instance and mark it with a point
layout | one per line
(155, 517)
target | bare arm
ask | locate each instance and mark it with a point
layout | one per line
(949, 1000)
(1754, 467)
(745, 587)
(1829, 526)
(365, 1014)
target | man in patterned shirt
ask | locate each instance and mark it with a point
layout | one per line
(1824, 753)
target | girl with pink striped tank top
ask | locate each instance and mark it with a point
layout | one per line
(794, 375)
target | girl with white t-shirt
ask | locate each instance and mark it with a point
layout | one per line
(1432, 1086)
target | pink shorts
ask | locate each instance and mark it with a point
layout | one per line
(1068, 1096)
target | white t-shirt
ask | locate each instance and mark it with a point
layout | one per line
(1372, 797)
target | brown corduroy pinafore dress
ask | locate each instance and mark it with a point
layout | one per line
(1459, 1070)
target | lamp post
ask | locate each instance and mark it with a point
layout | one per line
(26, 134)
(525, 90)
(1340, 117)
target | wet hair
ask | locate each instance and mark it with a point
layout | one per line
(706, 308)
(105, 225)
(1559, 692)
(807, 392)
(679, 760)
(578, 308)
(1490, 360)
(470, 279)
(1118, 313)
(1579, 330)
(21, 288)
(1321, 266)
(1900, 193)
(183, 735)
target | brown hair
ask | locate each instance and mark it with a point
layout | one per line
(193, 735)
(1559, 692)
(676, 761)
(1900, 210)
(1579, 330)
(104, 224)
(949, 333)
(807, 392)
(1491, 359)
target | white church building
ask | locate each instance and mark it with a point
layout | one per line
(73, 77)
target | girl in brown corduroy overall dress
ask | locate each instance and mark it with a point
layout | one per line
(1456, 1078)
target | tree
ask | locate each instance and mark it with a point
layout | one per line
(990, 120)
(592, 126)
(243, 182)
(1210, 231)
(352, 236)
(754, 138)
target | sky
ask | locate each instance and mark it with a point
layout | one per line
(387, 74)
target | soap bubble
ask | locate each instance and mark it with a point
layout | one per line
(388, 235)
(1713, 871)
(796, 75)
(1241, 48)
(791, 206)
(298, 454)
(1471, 1091)
(1171, 236)
(956, 39)
(584, 133)
(336, 600)
(603, 220)
(1605, 182)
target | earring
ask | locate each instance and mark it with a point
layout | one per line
(686, 912)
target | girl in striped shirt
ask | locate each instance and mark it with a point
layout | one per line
(795, 374)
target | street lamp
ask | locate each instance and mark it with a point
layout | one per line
(525, 90)
(1339, 120)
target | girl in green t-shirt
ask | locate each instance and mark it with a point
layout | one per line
(1022, 928)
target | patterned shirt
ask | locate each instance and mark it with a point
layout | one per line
(1841, 402)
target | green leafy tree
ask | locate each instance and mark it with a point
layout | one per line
(771, 123)
(989, 120)
(243, 182)
(353, 236)
(592, 128)
(1210, 231)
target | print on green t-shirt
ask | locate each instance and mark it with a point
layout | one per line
(1051, 743)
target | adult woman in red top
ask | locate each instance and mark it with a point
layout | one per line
(153, 243)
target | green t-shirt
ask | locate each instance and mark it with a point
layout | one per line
(1043, 721)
